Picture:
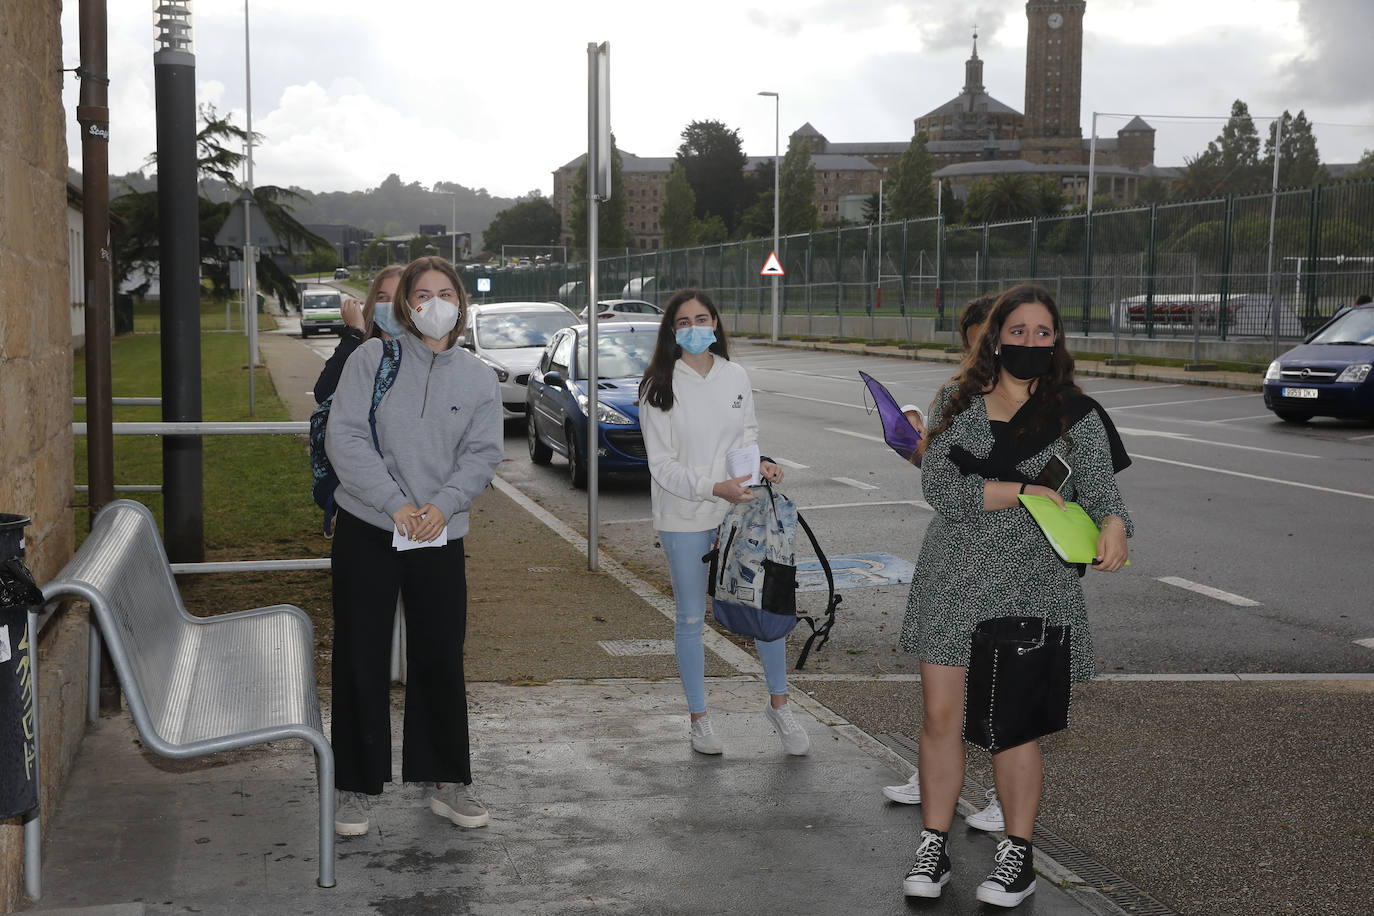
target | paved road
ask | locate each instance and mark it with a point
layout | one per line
(1251, 556)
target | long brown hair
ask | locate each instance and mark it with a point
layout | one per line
(411, 273)
(656, 387)
(981, 365)
(373, 290)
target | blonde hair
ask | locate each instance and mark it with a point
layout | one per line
(373, 291)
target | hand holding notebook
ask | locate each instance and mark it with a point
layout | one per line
(1070, 531)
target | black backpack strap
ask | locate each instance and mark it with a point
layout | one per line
(822, 630)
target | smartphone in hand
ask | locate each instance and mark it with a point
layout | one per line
(1055, 474)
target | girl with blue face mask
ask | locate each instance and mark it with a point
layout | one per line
(695, 407)
(372, 317)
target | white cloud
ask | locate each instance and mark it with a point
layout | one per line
(347, 92)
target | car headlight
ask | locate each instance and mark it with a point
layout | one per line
(1272, 373)
(1356, 373)
(605, 413)
(501, 373)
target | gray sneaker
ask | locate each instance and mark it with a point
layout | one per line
(351, 813)
(704, 737)
(794, 739)
(459, 803)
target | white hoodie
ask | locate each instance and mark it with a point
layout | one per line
(687, 445)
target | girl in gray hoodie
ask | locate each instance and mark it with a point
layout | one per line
(405, 487)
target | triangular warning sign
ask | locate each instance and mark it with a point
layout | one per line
(772, 267)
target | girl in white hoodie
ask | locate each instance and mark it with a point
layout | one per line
(695, 407)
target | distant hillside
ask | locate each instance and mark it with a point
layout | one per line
(392, 208)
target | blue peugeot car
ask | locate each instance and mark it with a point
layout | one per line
(556, 399)
(1328, 375)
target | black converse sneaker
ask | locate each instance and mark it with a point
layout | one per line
(931, 871)
(1013, 877)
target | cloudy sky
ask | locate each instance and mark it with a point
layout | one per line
(493, 95)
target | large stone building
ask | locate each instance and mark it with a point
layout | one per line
(971, 136)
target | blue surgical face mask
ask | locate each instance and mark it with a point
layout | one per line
(695, 339)
(385, 320)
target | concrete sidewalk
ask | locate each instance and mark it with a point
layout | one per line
(598, 806)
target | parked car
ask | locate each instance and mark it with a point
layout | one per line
(341, 273)
(510, 337)
(557, 398)
(624, 308)
(320, 311)
(1328, 375)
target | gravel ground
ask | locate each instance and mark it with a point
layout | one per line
(1215, 798)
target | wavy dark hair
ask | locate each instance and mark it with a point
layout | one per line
(409, 275)
(656, 387)
(981, 366)
(975, 312)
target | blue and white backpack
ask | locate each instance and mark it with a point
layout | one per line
(753, 571)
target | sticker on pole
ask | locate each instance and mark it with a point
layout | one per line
(772, 267)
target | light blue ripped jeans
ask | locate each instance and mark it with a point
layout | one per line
(685, 550)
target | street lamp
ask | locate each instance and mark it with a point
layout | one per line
(453, 227)
(777, 105)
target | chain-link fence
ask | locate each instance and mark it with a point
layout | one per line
(1238, 267)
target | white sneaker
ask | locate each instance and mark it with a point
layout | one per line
(459, 803)
(351, 813)
(908, 793)
(990, 818)
(794, 739)
(704, 737)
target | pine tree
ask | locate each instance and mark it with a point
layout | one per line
(797, 208)
(911, 194)
(1299, 163)
(679, 220)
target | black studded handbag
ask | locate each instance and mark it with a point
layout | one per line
(1017, 684)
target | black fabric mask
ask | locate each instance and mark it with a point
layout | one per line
(1026, 363)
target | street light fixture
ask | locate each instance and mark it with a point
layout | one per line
(777, 105)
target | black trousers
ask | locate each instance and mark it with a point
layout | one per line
(368, 572)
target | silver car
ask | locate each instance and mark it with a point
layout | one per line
(510, 337)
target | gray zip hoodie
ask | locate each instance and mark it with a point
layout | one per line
(439, 428)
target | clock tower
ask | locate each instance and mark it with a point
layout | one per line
(1054, 73)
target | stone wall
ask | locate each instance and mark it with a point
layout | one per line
(36, 366)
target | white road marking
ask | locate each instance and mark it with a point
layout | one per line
(1286, 483)
(849, 432)
(791, 464)
(856, 484)
(1228, 597)
(1224, 397)
(1240, 677)
(1258, 416)
(1358, 438)
(918, 503)
(1367, 643)
(1095, 392)
(799, 397)
(1184, 437)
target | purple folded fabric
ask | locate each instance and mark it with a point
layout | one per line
(897, 429)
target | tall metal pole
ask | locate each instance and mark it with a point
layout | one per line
(599, 155)
(1273, 213)
(777, 199)
(174, 74)
(250, 263)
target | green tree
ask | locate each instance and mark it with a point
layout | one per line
(911, 194)
(532, 221)
(1300, 165)
(679, 221)
(1364, 169)
(376, 255)
(1152, 191)
(1004, 197)
(1231, 162)
(1201, 177)
(711, 155)
(611, 229)
(797, 198)
(711, 231)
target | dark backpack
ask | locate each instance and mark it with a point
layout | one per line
(325, 480)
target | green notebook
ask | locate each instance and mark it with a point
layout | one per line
(1070, 531)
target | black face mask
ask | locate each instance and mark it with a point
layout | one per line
(1026, 363)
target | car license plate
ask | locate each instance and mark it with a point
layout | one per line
(1304, 393)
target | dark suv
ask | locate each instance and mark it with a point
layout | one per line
(1329, 374)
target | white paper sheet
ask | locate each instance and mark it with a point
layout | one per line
(401, 542)
(741, 461)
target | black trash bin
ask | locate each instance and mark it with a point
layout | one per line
(18, 749)
(123, 314)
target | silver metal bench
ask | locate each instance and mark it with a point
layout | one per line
(197, 685)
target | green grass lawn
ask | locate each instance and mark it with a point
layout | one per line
(256, 489)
